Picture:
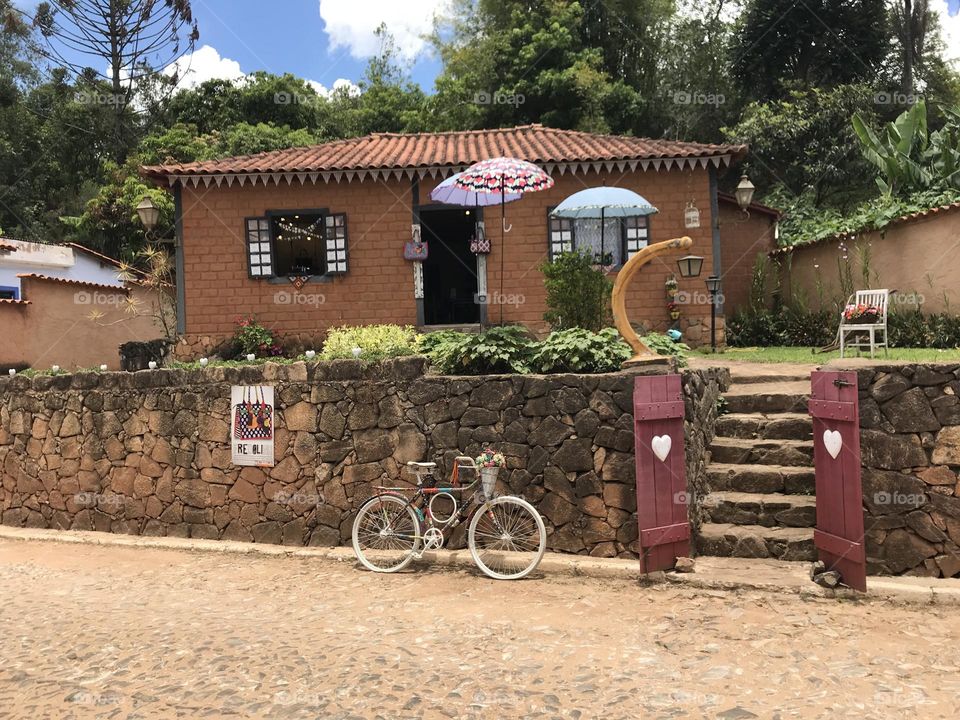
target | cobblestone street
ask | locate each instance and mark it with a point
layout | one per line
(108, 632)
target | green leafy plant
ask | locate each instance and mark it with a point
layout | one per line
(376, 342)
(252, 337)
(507, 349)
(580, 351)
(578, 294)
(664, 345)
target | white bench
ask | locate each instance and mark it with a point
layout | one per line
(871, 298)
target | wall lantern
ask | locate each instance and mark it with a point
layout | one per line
(744, 192)
(690, 266)
(148, 212)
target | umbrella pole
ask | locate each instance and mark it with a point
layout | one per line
(503, 249)
(603, 227)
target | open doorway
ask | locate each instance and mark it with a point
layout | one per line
(450, 270)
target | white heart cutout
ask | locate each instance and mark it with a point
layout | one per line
(832, 441)
(661, 445)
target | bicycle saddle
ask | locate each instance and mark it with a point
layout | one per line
(421, 465)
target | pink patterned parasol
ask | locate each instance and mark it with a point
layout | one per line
(504, 176)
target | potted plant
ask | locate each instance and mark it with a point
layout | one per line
(672, 287)
(863, 314)
(674, 309)
(489, 462)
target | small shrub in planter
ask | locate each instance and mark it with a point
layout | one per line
(507, 349)
(252, 338)
(580, 351)
(376, 342)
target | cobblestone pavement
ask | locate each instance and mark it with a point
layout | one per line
(106, 632)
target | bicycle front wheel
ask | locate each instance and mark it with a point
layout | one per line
(507, 538)
(386, 534)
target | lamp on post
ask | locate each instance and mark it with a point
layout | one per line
(690, 266)
(713, 287)
(149, 213)
(744, 192)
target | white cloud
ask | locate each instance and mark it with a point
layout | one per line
(207, 64)
(352, 88)
(351, 23)
(202, 65)
(950, 30)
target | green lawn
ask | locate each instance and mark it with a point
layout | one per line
(804, 355)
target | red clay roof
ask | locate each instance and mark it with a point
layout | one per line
(379, 151)
(6, 247)
(7, 301)
(82, 283)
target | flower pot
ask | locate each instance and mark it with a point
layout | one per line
(675, 315)
(488, 480)
(672, 292)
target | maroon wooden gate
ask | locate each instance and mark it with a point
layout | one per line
(836, 455)
(661, 473)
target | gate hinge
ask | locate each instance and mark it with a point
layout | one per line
(840, 382)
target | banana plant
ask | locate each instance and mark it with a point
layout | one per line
(899, 150)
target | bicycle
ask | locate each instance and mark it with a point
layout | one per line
(506, 534)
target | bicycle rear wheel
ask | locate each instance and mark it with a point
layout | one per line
(386, 534)
(507, 538)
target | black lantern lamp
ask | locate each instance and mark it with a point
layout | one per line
(713, 287)
(690, 266)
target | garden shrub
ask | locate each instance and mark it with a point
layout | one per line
(507, 349)
(251, 337)
(663, 345)
(580, 351)
(376, 342)
(578, 294)
(797, 327)
(511, 350)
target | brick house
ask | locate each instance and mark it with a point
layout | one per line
(312, 237)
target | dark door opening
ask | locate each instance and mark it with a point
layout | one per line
(450, 270)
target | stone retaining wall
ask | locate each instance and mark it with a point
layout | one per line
(910, 452)
(148, 452)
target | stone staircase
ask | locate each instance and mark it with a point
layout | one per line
(761, 502)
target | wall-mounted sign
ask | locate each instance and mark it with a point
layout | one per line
(251, 425)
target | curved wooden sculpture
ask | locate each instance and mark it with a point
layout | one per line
(641, 353)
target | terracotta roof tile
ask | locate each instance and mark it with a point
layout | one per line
(80, 283)
(7, 301)
(908, 218)
(7, 247)
(380, 151)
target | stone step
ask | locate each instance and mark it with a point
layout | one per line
(767, 509)
(785, 426)
(764, 452)
(763, 376)
(791, 480)
(768, 397)
(755, 541)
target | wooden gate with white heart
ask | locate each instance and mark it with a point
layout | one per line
(839, 535)
(661, 472)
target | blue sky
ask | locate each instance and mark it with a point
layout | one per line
(322, 41)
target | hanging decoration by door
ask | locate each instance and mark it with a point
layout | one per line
(298, 281)
(480, 243)
(251, 425)
(691, 216)
(416, 249)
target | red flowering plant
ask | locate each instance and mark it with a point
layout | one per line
(252, 338)
(866, 314)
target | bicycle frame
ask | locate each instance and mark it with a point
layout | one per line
(420, 499)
